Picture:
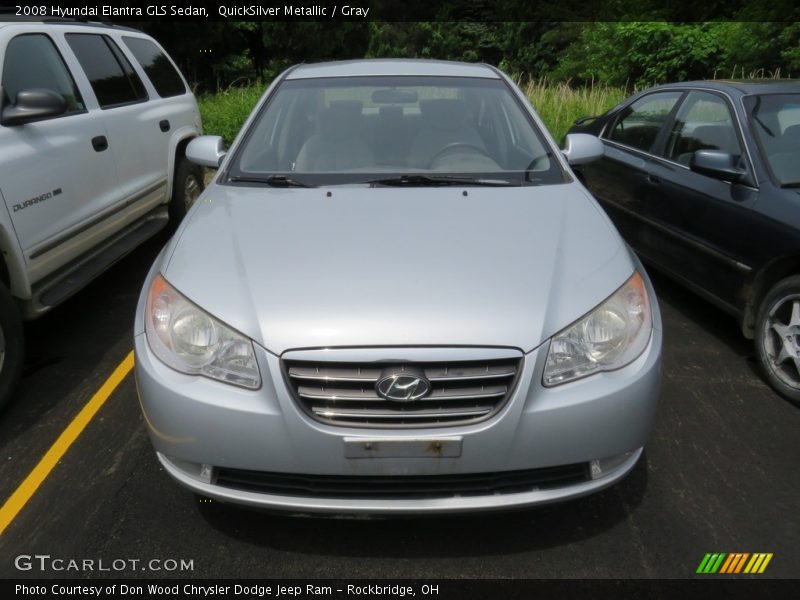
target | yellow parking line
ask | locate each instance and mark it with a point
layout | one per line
(28, 488)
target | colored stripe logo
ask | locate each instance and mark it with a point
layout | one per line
(734, 562)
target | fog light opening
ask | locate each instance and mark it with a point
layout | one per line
(201, 472)
(602, 467)
(206, 473)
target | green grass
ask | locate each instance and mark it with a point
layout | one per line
(224, 113)
(558, 104)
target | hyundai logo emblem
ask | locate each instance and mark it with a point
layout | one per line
(402, 385)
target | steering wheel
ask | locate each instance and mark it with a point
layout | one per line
(458, 146)
(532, 164)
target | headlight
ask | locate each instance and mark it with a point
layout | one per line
(191, 341)
(611, 336)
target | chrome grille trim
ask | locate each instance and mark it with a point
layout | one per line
(392, 415)
(343, 392)
(371, 396)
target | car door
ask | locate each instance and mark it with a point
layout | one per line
(138, 136)
(57, 174)
(619, 179)
(702, 227)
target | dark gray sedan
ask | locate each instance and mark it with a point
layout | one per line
(703, 180)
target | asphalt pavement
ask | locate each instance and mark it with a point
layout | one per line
(719, 475)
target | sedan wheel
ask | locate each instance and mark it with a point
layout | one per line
(778, 337)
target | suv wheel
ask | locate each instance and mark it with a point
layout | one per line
(186, 188)
(12, 346)
(778, 337)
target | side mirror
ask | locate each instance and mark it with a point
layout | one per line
(714, 163)
(206, 151)
(582, 148)
(33, 105)
(585, 120)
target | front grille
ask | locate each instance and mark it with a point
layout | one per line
(402, 486)
(344, 393)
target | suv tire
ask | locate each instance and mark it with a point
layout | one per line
(777, 337)
(186, 187)
(12, 345)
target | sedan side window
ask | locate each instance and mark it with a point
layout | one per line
(704, 122)
(32, 62)
(639, 124)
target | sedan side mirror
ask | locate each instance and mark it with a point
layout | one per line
(585, 120)
(582, 148)
(33, 105)
(206, 151)
(714, 163)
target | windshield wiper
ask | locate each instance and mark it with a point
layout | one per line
(759, 121)
(273, 180)
(764, 127)
(437, 180)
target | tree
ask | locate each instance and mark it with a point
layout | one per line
(642, 54)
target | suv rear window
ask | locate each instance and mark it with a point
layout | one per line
(112, 77)
(157, 66)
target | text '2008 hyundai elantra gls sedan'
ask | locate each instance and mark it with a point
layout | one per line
(396, 298)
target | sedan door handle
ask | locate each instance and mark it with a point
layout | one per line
(99, 143)
(164, 125)
(653, 179)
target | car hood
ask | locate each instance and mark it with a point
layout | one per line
(355, 266)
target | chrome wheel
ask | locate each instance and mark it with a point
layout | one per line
(781, 338)
(191, 190)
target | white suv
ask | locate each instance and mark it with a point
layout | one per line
(94, 122)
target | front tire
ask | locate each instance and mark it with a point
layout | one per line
(186, 187)
(777, 337)
(12, 346)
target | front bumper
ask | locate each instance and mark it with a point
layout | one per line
(194, 421)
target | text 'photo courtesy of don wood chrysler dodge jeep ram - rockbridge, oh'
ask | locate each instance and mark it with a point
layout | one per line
(94, 122)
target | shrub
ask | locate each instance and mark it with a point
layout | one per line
(224, 113)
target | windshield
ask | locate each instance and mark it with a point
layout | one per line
(391, 130)
(775, 118)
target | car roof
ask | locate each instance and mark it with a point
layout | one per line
(742, 87)
(55, 21)
(392, 66)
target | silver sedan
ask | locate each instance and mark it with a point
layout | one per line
(395, 297)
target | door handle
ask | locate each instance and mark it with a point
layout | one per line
(99, 143)
(653, 179)
(164, 125)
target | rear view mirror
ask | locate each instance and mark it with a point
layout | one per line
(33, 105)
(582, 148)
(714, 163)
(394, 96)
(206, 151)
